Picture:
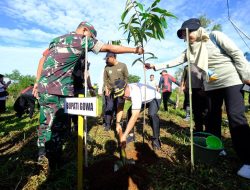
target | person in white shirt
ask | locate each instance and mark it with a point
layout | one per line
(3, 93)
(135, 92)
(152, 82)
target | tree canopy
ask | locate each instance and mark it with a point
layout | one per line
(19, 82)
(133, 78)
(208, 24)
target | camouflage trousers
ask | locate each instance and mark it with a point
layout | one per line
(54, 123)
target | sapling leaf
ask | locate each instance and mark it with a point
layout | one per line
(137, 60)
(150, 58)
(140, 6)
(155, 3)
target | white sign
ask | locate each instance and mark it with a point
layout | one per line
(81, 106)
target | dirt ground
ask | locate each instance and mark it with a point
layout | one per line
(132, 176)
(168, 168)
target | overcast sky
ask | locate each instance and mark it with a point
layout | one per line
(27, 27)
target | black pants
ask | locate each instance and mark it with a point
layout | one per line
(186, 100)
(153, 107)
(2, 106)
(238, 125)
(165, 98)
(110, 108)
(200, 108)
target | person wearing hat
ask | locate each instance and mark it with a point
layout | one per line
(224, 69)
(3, 93)
(55, 83)
(135, 92)
(165, 84)
(113, 71)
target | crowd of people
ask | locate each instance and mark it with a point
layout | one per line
(218, 71)
(54, 83)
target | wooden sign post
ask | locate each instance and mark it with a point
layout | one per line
(82, 107)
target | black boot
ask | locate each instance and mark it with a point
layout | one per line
(156, 144)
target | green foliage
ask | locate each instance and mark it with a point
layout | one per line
(115, 42)
(206, 23)
(217, 27)
(145, 23)
(133, 78)
(19, 82)
(178, 73)
(145, 59)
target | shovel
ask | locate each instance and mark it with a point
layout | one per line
(123, 158)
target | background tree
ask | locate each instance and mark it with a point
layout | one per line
(133, 78)
(178, 73)
(19, 82)
(206, 23)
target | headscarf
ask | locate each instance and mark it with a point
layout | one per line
(197, 51)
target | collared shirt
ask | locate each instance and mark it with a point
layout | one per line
(141, 93)
(113, 73)
(153, 83)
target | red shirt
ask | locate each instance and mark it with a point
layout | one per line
(166, 81)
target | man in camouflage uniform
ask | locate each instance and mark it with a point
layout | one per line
(55, 83)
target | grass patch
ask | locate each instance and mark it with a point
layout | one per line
(168, 168)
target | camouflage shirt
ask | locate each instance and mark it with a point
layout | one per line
(64, 52)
